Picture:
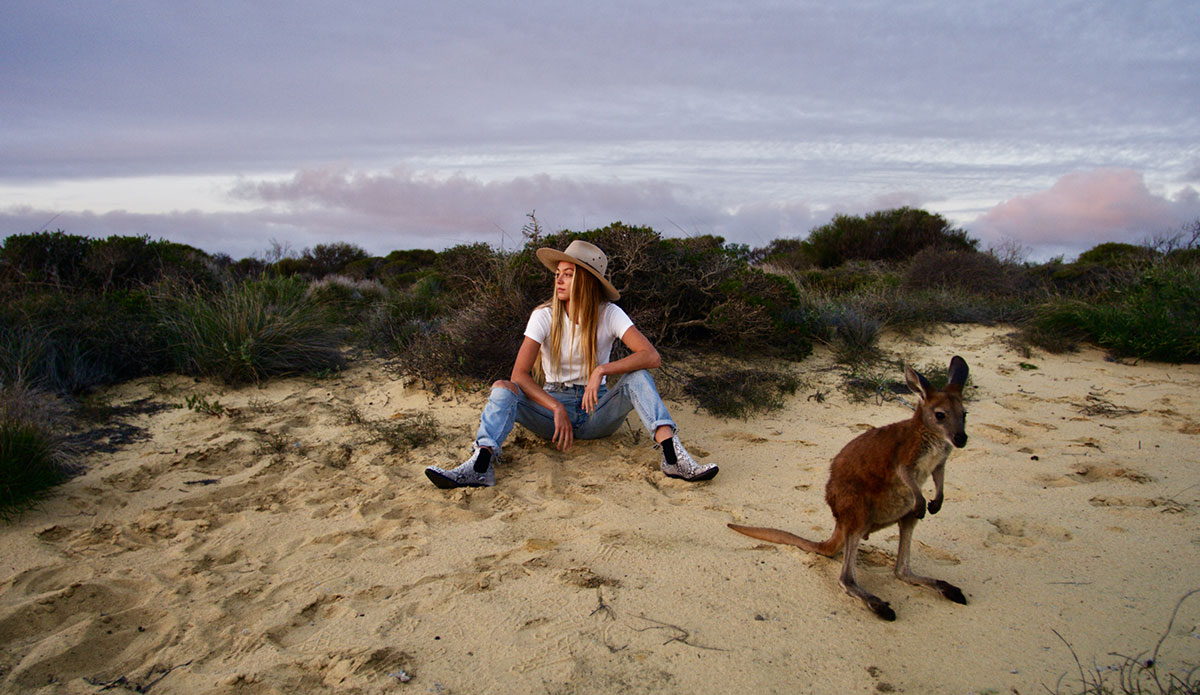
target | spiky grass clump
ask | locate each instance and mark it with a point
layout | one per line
(33, 459)
(251, 331)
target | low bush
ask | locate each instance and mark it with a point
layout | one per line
(888, 236)
(67, 261)
(739, 393)
(1155, 317)
(69, 340)
(951, 269)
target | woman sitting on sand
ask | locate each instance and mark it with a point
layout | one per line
(578, 329)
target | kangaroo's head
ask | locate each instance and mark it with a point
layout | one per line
(942, 410)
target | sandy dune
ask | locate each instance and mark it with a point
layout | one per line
(280, 547)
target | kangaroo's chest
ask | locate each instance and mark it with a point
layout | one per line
(933, 456)
(898, 500)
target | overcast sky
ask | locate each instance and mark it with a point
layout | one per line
(391, 125)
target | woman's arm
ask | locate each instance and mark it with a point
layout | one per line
(522, 376)
(642, 356)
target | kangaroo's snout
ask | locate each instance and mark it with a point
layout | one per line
(960, 440)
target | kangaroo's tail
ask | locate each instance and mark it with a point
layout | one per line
(828, 548)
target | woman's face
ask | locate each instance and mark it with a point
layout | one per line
(563, 277)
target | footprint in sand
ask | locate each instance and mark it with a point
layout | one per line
(1024, 533)
(94, 629)
(309, 621)
(1093, 473)
(1159, 503)
(1096, 473)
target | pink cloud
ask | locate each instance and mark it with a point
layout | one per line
(1083, 209)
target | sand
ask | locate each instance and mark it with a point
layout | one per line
(281, 547)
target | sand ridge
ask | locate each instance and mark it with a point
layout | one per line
(282, 546)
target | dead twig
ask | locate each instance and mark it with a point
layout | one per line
(134, 686)
(1098, 406)
(683, 637)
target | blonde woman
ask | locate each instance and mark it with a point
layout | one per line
(568, 342)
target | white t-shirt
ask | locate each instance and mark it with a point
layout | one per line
(610, 326)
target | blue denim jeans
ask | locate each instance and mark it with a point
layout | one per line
(634, 391)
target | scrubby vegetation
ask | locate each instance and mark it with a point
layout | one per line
(33, 455)
(77, 313)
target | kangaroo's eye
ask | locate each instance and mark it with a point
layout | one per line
(940, 416)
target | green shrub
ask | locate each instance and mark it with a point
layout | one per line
(479, 338)
(69, 340)
(45, 257)
(116, 263)
(332, 259)
(851, 277)
(130, 263)
(967, 271)
(251, 331)
(392, 323)
(889, 236)
(784, 255)
(1155, 317)
(1114, 255)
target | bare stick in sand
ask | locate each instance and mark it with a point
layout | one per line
(875, 481)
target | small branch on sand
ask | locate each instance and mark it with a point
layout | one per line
(134, 686)
(682, 637)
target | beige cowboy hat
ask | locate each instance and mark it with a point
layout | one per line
(586, 256)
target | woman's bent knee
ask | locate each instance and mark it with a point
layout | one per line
(642, 375)
(505, 384)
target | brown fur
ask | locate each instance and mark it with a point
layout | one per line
(875, 481)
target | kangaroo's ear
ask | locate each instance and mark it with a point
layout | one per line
(958, 371)
(916, 383)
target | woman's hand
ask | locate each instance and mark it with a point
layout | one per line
(564, 434)
(591, 393)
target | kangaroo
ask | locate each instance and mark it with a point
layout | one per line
(875, 481)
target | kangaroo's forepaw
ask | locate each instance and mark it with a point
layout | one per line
(919, 508)
(952, 592)
(935, 505)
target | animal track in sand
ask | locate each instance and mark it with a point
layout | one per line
(309, 621)
(1161, 503)
(1093, 473)
(1024, 533)
(736, 436)
(586, 578)
(367, 670)
(997, 433)
(1037, 425)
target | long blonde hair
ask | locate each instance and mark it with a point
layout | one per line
(586, 296)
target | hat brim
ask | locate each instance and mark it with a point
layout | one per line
(551, 258)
